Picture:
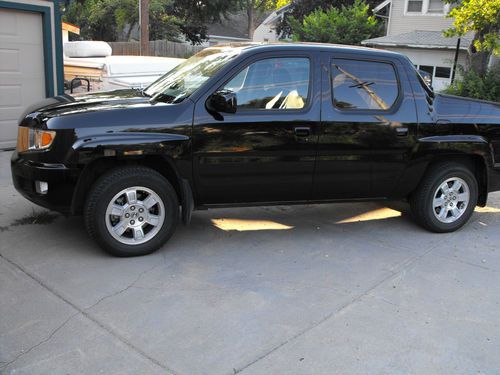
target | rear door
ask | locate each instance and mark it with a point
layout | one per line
(264, 152)
(368, 127)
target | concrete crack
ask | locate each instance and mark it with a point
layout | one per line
(90, 317)
(124, 289)
(48, 338)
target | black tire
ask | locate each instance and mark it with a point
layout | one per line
(421, 200)
(113, 182)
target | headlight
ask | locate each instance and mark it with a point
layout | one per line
(29, 139)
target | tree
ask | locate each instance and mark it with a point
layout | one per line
(170, 19)
(481, 17)
(299, 9)
(347, 25)
(474, 85)
(254, 10)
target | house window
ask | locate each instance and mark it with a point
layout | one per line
(430, 7)
(435, 6)
(443, 72)
(415, 6)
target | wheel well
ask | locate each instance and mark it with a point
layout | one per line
(100, 166)
(477, 165)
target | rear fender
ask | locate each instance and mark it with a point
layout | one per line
(472, 149)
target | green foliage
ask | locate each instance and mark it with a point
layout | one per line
(345, 25)
(299, 9)
(481, 17)
(168, 19)
(474, 85)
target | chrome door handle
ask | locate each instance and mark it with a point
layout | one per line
(302, 131)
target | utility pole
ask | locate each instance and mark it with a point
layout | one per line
(144, 26)
(455, 60)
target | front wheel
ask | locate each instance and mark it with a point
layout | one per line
(131, 211)
(446, 197)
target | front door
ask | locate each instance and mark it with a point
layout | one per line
(265, 152)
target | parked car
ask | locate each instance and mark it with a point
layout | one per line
(92, 61)
(258, 125)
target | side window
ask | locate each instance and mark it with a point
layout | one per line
(275, 83)
(360, 84)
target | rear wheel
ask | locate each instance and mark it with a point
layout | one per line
(446, 197)
(131, 211)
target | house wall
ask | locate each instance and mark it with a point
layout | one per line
(400, 22)
(265, 33)
(433, 57)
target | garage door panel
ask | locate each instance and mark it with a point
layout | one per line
(22, 69)
(10, 60)
(8, 23)
(20, 26)
(10, 96)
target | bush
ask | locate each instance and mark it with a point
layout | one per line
(473, 85)
(345, 25)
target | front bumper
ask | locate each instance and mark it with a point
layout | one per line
(61, 182)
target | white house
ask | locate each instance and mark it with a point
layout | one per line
(415, 28)
(266, 31)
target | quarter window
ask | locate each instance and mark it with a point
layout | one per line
(270, 84)
(363, 84)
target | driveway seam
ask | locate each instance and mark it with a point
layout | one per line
(90, 317)
(397, 271)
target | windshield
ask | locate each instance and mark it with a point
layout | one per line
(179, 83)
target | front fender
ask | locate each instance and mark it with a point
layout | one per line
(126, 144)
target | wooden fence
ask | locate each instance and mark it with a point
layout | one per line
(156, 48)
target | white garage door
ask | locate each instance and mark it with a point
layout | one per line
(22, 75)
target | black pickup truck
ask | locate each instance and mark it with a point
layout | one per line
(244, 125)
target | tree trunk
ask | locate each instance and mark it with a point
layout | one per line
(131, 27)
(479, 59)
(250, 15)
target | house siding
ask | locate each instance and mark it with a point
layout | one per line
(401, 23)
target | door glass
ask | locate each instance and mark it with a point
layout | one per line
(363, 84)
(276, 83)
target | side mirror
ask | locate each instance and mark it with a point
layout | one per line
(222, 101)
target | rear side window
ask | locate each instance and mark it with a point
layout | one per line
(365, 85)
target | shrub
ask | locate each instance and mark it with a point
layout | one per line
(472, 85)
(345, 25)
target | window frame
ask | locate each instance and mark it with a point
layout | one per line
(425, 10)
(266, 56)
(412, 12)
(395, 105)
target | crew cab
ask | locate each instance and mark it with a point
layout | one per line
(247, 124)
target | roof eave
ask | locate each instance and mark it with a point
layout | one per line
(408, 45)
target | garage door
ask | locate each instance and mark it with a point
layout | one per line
(22, 76)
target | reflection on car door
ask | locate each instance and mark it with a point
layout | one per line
(265, 152)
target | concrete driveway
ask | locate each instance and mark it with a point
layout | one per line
(331, 289)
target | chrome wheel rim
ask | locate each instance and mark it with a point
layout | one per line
(135, 215)
(451, 200)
